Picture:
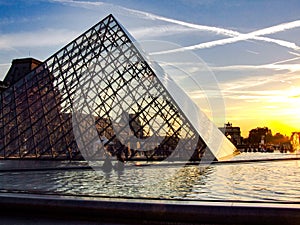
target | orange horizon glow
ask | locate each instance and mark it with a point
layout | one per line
(274, 126)
(283, 119)
(280, 113)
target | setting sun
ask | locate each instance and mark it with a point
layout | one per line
(280, 112)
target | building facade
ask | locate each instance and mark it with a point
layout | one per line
(232, 133)
(295, 141)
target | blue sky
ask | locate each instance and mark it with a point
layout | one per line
(251, 47)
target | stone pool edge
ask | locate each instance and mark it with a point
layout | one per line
(57, 209)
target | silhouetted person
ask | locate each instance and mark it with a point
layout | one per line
(107, 165)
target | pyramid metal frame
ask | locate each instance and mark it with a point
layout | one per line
(36, 110)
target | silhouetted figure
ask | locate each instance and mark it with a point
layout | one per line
(107, 165)
(119, 166)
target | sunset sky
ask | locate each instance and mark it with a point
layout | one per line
(250, 49)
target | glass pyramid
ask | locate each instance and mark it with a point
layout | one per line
(98, 97)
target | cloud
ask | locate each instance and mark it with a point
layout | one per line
(279, 67)
(80, 3)
(283, 70)
(248, 36)
(282, 43)
(235, 36)
(260, 82)
(275, 29)
(40, 38)
(151, 16)
(253, 52)
(158, 31)
(270, 80)
(295, 96)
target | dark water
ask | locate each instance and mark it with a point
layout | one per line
(276, 181)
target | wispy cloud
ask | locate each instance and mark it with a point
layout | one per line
(151, 16)
(288, 68)
(260, 82)
(242, 68)
(235, 36)
(253, 52)
(263, 99)
(159, 31)
(41, 38)
(248, 36)
(81, 3)
(295, 96)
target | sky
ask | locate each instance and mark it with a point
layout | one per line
(241, 59)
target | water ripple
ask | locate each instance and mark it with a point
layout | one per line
(265, 181)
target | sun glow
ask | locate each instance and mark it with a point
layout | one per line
(278, 110)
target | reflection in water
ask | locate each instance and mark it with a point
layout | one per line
(268, 181)
(183, 183)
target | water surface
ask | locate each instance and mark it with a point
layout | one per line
(271, 181)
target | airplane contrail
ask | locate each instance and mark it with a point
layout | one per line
(235, 36)
(255, 35)
(243, 37)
